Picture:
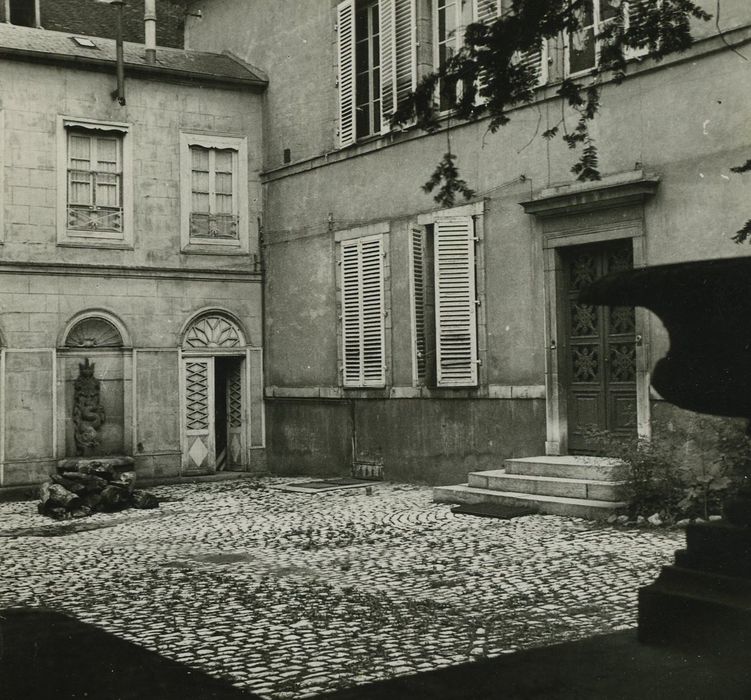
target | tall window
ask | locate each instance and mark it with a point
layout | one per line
(447, 31)
(368, 69)
(95, 193)
(214, 194)
(214, 202)
(583, 46)
(444, 302)
(377, 51)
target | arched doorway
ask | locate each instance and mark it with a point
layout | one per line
(214, 393)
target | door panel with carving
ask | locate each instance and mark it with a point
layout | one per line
(599, 351)
(199, 450)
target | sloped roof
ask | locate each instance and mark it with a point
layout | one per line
(25, 43)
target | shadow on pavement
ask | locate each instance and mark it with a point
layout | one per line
(45, 654)
(608, 667)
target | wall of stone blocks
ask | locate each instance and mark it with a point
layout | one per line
(157, 112)
(140, 384)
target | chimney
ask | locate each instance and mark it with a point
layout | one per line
(149, 22)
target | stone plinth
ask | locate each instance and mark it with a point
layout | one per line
(704, 599)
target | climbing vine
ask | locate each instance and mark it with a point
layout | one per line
(492, 80)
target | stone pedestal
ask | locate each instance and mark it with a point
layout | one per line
(704, 599)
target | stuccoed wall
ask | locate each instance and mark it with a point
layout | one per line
(683, 120)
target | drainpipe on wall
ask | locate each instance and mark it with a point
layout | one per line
(119, 93)
(149, 22)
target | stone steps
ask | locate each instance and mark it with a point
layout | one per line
(500, 480)
(569, 466)
(550, 505)
(578, 486)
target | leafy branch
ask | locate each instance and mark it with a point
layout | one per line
(487, 76)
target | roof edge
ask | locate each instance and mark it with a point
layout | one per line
(155, 70)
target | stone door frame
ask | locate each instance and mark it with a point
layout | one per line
(582, 214)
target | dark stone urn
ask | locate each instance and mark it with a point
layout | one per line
(704, 598)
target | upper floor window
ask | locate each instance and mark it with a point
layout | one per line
(23, 13)
(377, 52)
(448, 35)
(368, 69)
(95, 174)
(214, 181)
(94, 183)
(213, 212)
(583, 50)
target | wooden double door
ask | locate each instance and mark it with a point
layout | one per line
(214, 417)
(599, 349)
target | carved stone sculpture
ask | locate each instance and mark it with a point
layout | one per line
(88, 413)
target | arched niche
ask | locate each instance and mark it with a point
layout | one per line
(211, 331)
(94, 329)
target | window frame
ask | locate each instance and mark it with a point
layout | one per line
(94, 238)
(219, 246)
(437, 42)
(375, 96)
(596, 26)
(426, 223)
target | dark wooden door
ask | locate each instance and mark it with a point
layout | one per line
(599, 349)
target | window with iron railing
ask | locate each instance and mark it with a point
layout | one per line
(213, 212)
(95, 173)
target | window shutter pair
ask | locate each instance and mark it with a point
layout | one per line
(363, 331)
(398, 61)
(453, 251)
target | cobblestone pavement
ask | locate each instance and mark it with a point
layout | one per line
(290, 595)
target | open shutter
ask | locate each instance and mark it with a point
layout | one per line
(537, 60)
(635, 10)
(362, 312)
(405, 48)
(455, 308)
(388, 61)
(485, 11)
(345, 15)
(420, 346)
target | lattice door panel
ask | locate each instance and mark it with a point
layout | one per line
(235, 414)
(198, 420)
(599, 349)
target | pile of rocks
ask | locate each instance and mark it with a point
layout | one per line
(85, 486)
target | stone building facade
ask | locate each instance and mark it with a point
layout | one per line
(129, 241)
(433, 342)
(98, 18)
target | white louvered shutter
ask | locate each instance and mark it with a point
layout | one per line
(417, 243)
(455, 307)
(405, 48)
(633, 9)
(362, 312)
(386, 12)
(485, 11)
(537, 60)
(345, 18)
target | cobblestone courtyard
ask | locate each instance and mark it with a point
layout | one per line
(291, 595)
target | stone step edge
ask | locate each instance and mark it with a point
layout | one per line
(565, 460)
(590, 503)
(500, 473)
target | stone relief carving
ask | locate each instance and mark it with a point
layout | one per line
(88, 412)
